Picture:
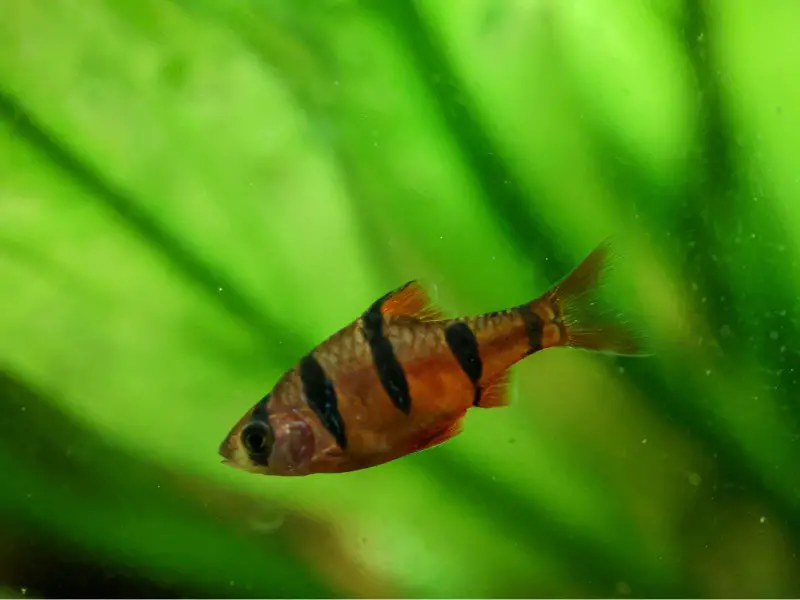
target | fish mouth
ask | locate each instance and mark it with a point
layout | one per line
(224, 449)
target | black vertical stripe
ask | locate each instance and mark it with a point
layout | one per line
(259, 423)
(461, 340)
(390, 371)
(321, 396)
(260, 410)
(533, 327)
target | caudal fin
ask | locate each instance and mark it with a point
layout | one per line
(576, 304)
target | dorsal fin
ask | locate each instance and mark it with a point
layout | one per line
(410, 300)
(496, 393)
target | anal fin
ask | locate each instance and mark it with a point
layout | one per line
(443, 435)
(496, 393)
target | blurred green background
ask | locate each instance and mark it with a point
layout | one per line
(193, 193)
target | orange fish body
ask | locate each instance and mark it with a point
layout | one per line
(400, 378)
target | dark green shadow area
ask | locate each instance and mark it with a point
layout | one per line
(89, 503)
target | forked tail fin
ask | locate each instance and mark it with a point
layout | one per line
(575, 304)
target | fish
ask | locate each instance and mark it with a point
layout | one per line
(401, 377)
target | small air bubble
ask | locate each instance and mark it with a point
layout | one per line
(219, 289)
(763, 520)
(708, 371)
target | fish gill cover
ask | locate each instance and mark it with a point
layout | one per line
(195, 193)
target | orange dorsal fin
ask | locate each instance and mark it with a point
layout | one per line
(410, 300)
(496, 393)
(443, 435)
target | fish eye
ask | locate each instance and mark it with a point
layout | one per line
(257, 437)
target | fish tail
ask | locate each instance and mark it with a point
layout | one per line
(571, 311)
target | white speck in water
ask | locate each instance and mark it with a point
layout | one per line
(708, 371)
(265, 526)
(23, 590)
(694, 286)
(753, 235)
(694, 479)
(22, 408)
(773, 335)
(231, 583)
(783, 348)
(219, 289)
(644, 441)
(336, 82)
(763, 520)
